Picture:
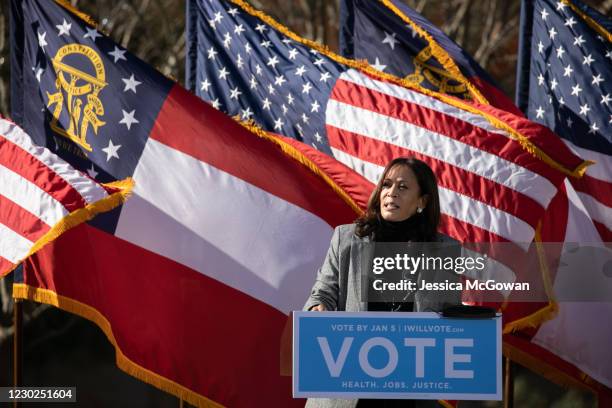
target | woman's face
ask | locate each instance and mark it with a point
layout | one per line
(400, 194)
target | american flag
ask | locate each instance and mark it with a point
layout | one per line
(565, 83)
(492, 189)
(246, 68)
(40, 195)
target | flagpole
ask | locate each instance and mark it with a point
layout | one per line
(17, 349)
(508, 384)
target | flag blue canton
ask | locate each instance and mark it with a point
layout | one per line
(83, 96)
(372, 32)
(248, 69)
(379, 36)
(570, 80)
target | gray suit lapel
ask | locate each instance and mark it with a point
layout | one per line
(362, 250)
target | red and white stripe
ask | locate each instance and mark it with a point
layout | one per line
(595, 190)
(575, 342)
(254, 225)
(37, 190)
(222, 237)
(228, 236)
(491, 189)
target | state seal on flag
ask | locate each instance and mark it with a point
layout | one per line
(441, 79)
(80, 78)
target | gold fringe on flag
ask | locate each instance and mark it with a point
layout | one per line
(305, 161)
(548, 312)
(85, 17)
(46, 296)
(524, 141)
(533, 320)
(446, 404)
(592, 23)
(439, 53)
(83, 214)
(86, 213)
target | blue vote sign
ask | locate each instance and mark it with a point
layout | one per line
(396, 355)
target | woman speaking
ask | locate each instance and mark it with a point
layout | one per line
(404, 207)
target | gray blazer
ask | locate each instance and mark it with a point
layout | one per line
(338, 284)
(338, 287)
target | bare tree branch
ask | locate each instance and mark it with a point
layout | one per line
(452, 26)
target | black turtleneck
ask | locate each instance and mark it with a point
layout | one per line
(395, 231)
(399, 231)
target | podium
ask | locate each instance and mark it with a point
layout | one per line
(396, 355)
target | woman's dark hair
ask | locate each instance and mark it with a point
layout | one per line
(426, 223)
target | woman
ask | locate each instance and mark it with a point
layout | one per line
(404, 207)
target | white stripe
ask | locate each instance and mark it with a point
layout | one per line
(408, 95)
(87, 188)
(580, 227)
(370, 171)
(440, 147)
(602, 169)
(487, 217)
(494, 270)
(458, 206)
(238, 234)
(579, 333)
(13, 246)
(580, 336)
(598, 211)
(30, 197)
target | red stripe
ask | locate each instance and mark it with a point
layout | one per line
(182, 325)
(504, 147)
(5, 266)
(471, 185)
(520, 262)
(604, 232)
(191, 126)
(599, 189)
(495, 97)
(541, 136)
(465, 232)
(554, 220)
(38, 173)
(354, 184)
(21, 221)
(109, 190)
(469, 233)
